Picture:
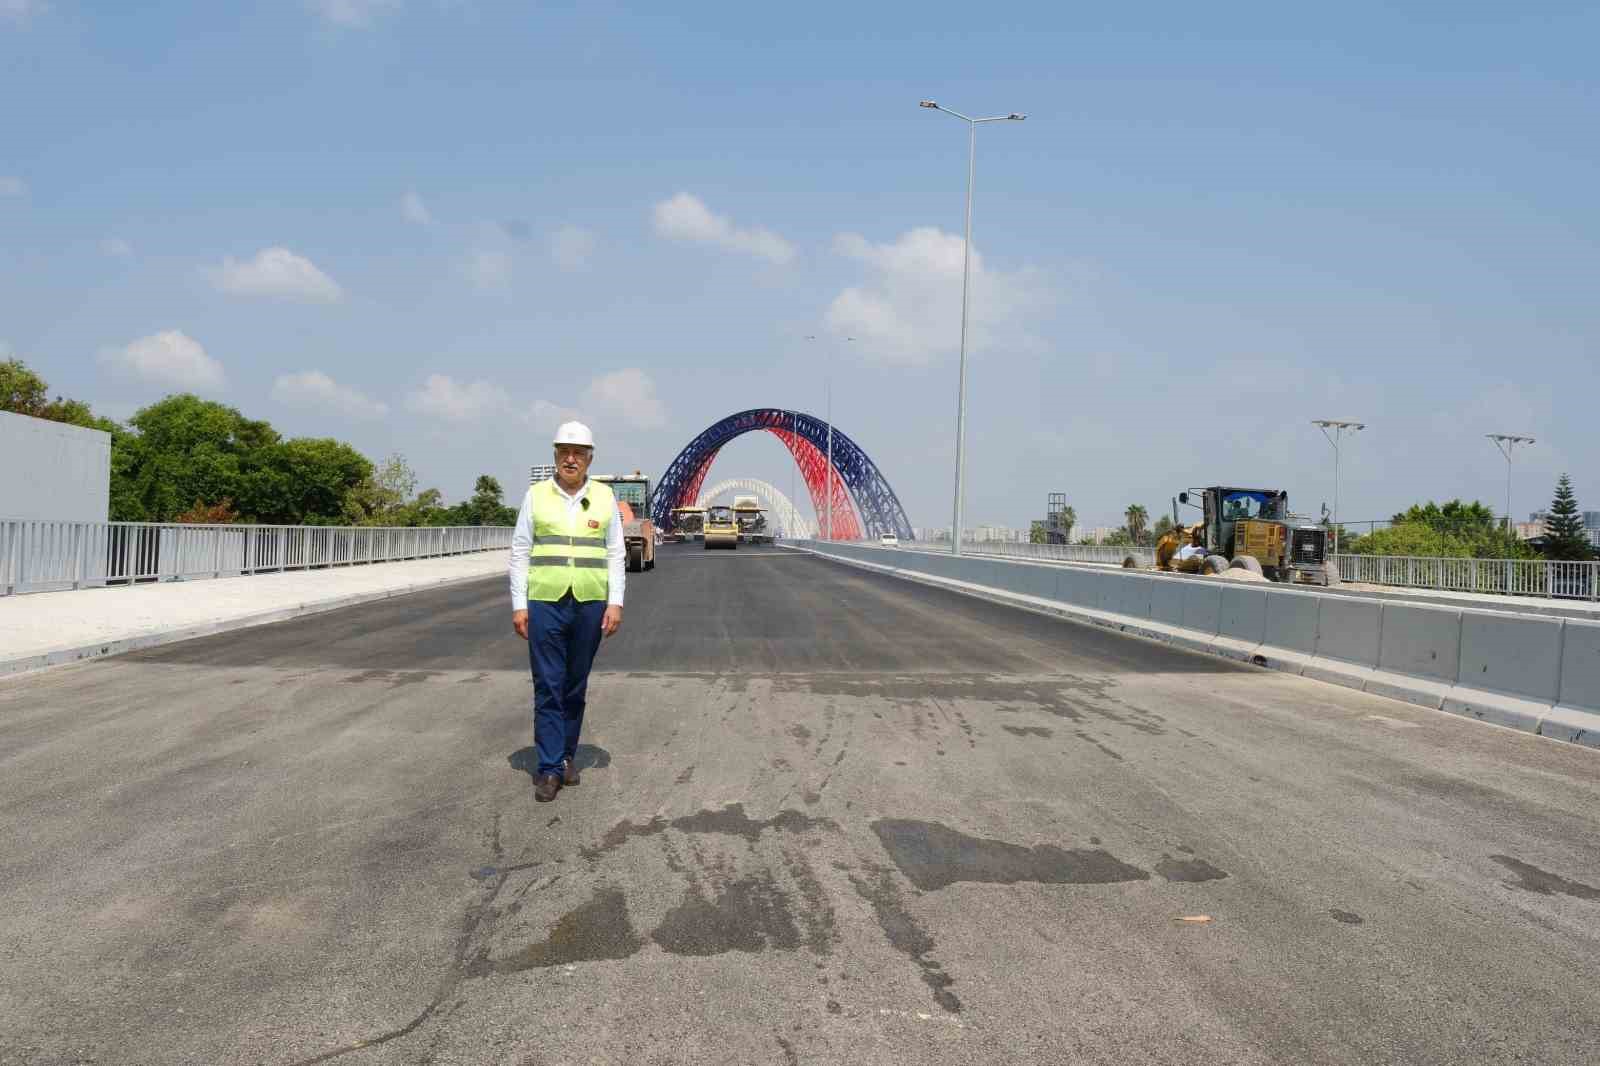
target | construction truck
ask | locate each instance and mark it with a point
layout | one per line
(751, 520)
(688, 523)
(638, 532)
(721, 528)
(1245, 529)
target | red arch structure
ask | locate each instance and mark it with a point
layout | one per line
(853, 492)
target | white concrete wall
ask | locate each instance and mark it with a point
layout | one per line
(53, 472)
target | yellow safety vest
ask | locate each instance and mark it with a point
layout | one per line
(569, 543)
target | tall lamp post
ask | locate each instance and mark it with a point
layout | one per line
(1507, 443)
(1339, 428)
(966, 264)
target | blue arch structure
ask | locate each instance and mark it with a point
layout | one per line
(875, 501)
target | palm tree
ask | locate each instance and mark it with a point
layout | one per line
(1137, 518)
(1069, 518)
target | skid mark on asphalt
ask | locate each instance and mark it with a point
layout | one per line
(1543, 883)
(905, 935)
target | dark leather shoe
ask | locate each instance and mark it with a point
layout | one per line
(545, 787)
(569, 774)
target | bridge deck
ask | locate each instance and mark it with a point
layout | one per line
(827, 817)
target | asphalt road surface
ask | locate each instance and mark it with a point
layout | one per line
(826, 817)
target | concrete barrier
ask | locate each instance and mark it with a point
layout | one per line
(1510, 669)
(1202, 606)
(1241, 623)
(1419, 653)
(1347, 641)
(1166, 601)
(1289, 637)
(1539, 674)
(1576, 715)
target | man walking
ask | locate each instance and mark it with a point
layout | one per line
(566, 594)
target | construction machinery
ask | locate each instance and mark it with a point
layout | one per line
(751, 519)
(721, 528)
(1248, 529)
(638, 532)
(688, 523)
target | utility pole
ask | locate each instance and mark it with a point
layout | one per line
(1339, 428)
(1507, 444)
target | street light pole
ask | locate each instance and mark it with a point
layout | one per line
(1338, 428)
(1507, 443)
(966, 273)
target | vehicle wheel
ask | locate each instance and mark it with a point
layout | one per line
(1214, 564)
(650, 563)
(1246, 562)
(635, 560)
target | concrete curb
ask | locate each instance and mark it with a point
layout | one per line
(1415, 650)
(140, 641)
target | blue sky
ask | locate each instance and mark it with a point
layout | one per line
(437, 226)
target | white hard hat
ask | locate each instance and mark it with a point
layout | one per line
(574, 433)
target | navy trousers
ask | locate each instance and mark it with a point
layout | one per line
(562, 640)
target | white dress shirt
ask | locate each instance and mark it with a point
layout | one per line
(522, 540)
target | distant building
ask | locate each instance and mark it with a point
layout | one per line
(1591, 520)
(1099, 534)
(543, 472)
(1529, 530)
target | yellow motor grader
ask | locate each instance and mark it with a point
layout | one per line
(1245, 529)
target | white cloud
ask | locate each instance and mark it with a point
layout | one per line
(571, 247)
(279, 273)
(22, 10)
(353, 14)
(167, 358)
(488, 269)
(10, 184)
(442, 396)
(686, 218)
(628, 395)
(116, 248)
(910, 309)
(546, 416)
(313, 388)
(412, 207)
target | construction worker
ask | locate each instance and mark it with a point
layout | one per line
(566, 595)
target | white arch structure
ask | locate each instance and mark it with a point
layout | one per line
(787, 519)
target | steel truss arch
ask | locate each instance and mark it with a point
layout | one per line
(785, 514)
(853, 487)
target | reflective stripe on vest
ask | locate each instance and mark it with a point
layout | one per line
(567, 553)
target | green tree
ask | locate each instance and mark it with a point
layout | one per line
(1137, 518)
(1068, 520)
(1564, 536)
(1160, 529)
(1036, 533)
(378, 499)
(1455, 529)
(22, 392)
(1120, 538)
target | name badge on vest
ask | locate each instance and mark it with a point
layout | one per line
(594, 523)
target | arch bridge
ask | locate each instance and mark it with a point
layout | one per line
(853, 491)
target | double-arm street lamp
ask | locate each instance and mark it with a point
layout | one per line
(1339, 428)
(966, 264)
(1507, 443)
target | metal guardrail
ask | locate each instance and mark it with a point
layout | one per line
(53, 556)
(1515, 577)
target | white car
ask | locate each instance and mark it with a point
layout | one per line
(889, 540)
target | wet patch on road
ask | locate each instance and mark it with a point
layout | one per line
(727, 821)
(905, 934)
(1188, 870)
(1544, 883)
(747, 914)
(934, 856)
(1346, 917)
(596, 930)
